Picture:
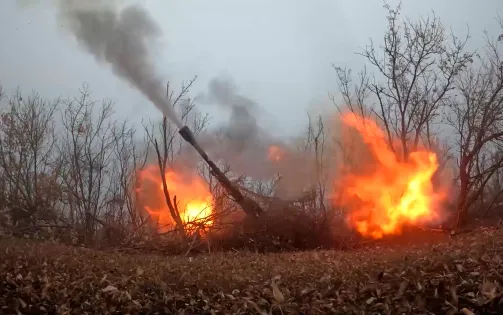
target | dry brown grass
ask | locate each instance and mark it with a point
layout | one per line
(462, 274)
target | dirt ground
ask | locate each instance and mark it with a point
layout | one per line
(460, 274)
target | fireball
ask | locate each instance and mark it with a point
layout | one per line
(194, 201)
(389, 193)
(275, 153)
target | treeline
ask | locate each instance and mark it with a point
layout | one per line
(68, 167)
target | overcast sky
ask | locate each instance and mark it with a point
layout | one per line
(278, 51)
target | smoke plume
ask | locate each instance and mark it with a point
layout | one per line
(120, 36)
(240, 141)
(246, 146)
(241, 130)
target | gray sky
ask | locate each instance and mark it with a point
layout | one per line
(278, 52)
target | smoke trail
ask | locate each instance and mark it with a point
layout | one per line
(121, 37)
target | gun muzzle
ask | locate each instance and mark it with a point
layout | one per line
(187, 135)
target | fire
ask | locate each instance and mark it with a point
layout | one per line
(391, 193)
(195, 202)
(275, 153)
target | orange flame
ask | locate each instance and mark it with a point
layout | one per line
(275, 153)
(393, 193)
(195, 202)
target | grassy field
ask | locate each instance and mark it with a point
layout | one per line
(452, 275)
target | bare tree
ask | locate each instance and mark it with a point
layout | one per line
(415, 69)
(88, 141)
(29, 167)
(492, 197)
(171, 145)
(317, 147)
(121, 208)
(476, 115)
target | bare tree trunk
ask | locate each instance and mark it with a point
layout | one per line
(461, 208)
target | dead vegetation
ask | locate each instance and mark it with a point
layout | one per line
(458, 275)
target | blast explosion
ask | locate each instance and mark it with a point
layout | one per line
(389, 193)
(195, 202)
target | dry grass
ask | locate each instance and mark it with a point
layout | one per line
(462, 274)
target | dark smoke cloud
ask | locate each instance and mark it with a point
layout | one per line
(121, 37)
(244, 144)
(241, 131)
(239, 141)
